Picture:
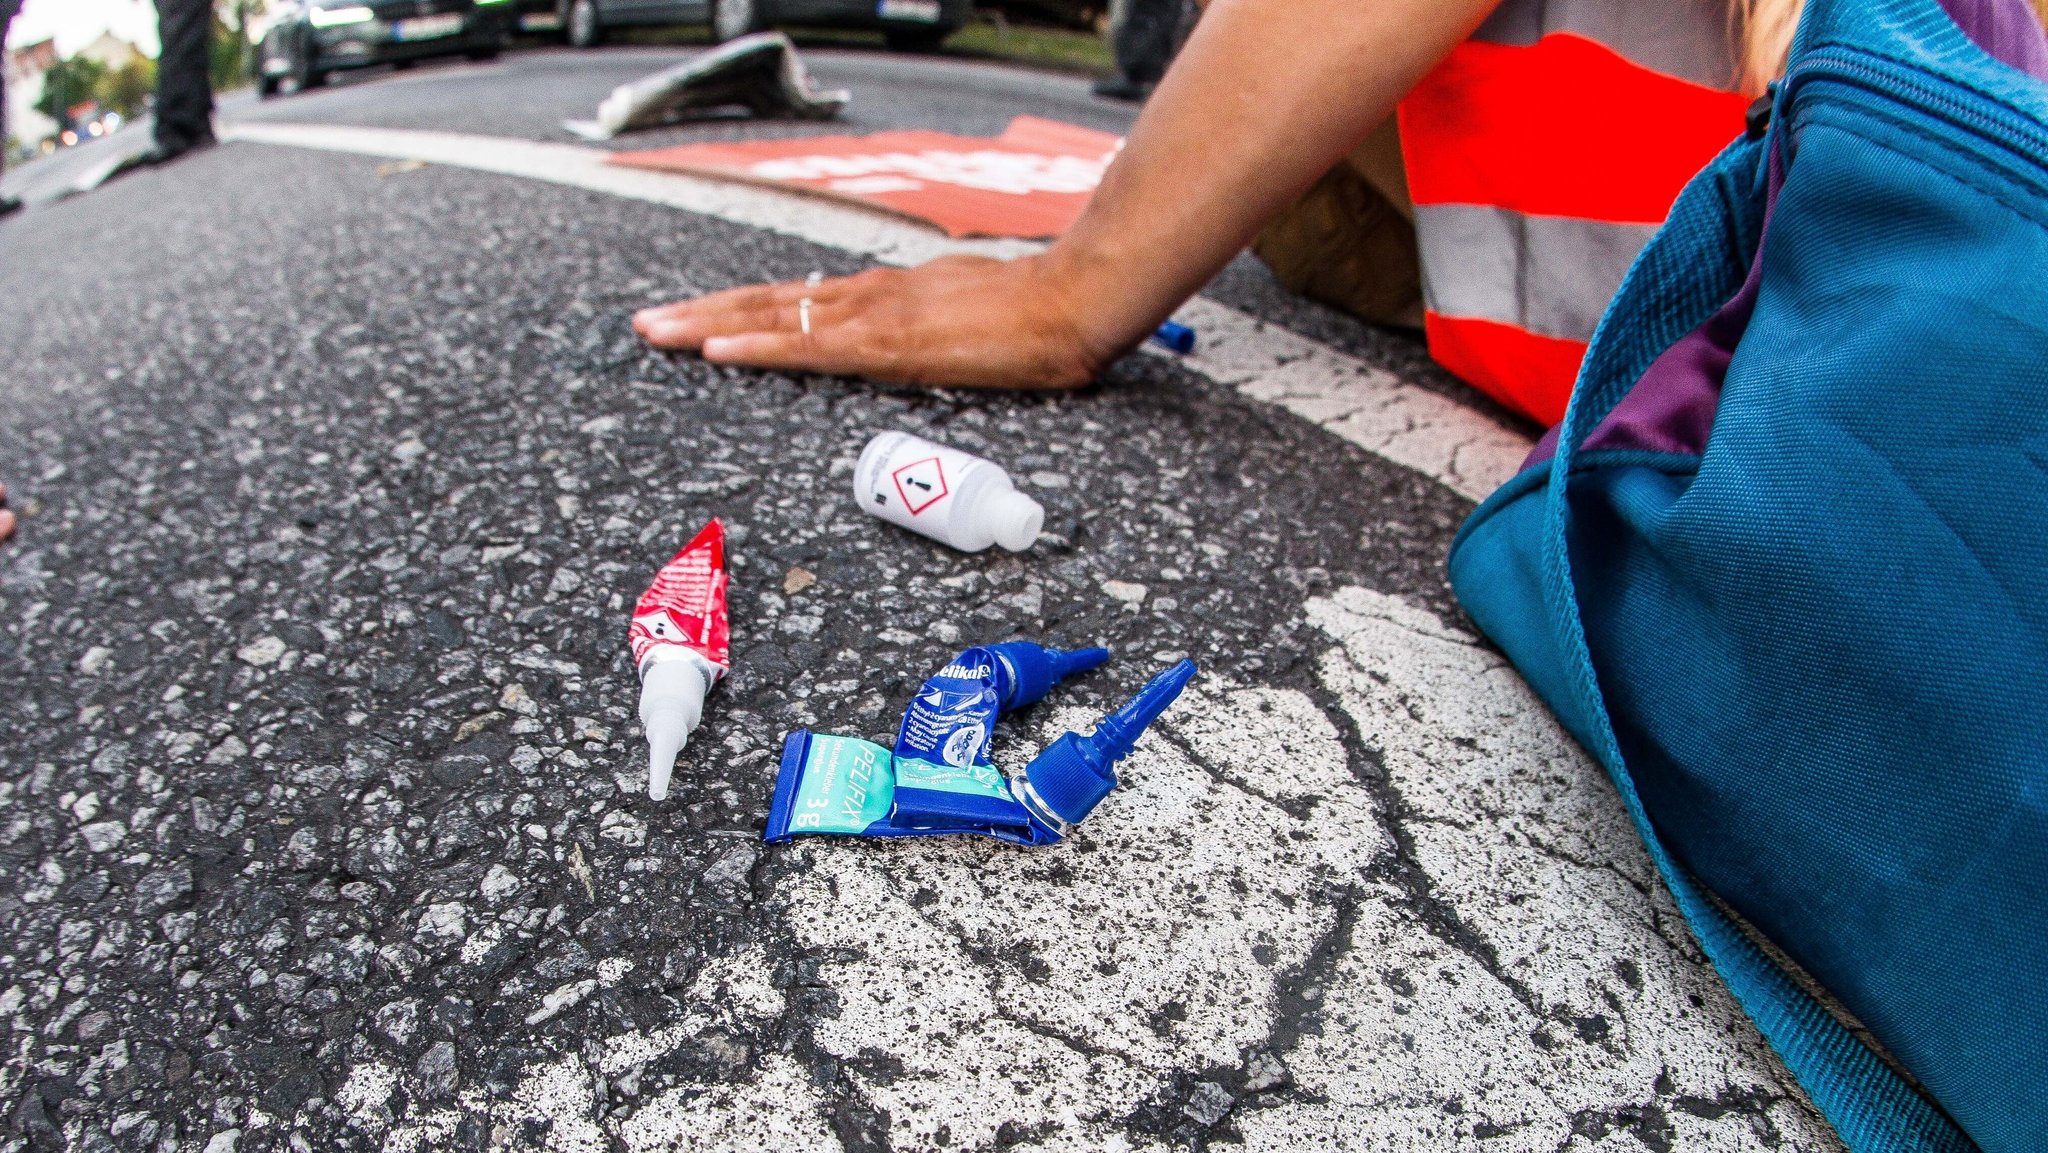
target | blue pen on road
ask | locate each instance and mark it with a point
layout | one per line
(1178, 337)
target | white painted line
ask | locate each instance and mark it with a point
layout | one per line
(889, 239)
(1466, 451)
(1241, 860)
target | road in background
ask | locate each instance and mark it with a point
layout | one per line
(322, 804)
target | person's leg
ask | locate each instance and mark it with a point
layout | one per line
(1144, 38)
(1349, 242)
(7, 203)
(184, 84)
(1145, 43)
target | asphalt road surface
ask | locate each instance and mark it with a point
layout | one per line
(322, 806)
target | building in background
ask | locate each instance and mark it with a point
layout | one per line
(112, 51)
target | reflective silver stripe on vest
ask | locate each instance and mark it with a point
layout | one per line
(1551, 275)
(1689, 39)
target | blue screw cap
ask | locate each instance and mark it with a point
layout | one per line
(1069, 778)
(1178, 337)
(1034, 669)
(1075, 772)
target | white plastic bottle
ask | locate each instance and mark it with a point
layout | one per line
(948, 495)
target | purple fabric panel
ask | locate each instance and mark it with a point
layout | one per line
(2004, 28)
(1671, 409)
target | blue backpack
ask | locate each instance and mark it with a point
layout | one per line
(1784, 572)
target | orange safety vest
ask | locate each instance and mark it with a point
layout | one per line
(1541, 156)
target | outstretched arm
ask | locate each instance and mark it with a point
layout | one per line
(1265, 97)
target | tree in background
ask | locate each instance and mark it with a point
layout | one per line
(233, 59)
(129, 88)
(68, 84)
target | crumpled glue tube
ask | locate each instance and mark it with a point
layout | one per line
(843, 786)
(682, 645)
(944, 777)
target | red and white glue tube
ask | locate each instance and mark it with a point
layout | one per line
(682, 645)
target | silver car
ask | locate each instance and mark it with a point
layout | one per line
(307, 39)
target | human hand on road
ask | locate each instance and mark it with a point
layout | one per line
(1264, 98)
(968, 321)
(6, 518)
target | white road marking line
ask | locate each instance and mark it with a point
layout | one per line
(1244, 849)
(1464, 450)
(1509, 808)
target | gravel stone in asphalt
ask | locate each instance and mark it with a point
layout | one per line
(322, 806)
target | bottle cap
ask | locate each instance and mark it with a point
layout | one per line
(1035, 669)
(1075, 772)
(1070, 778)
(671, 703)
(1015, 518)
(1178, 337)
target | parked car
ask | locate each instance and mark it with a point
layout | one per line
(307, 39)
(545, 16)
(913, 25)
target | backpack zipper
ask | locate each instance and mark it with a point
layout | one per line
(1963, 107)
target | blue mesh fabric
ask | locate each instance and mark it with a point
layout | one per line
(1815, 659)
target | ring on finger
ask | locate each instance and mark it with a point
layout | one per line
(803, 315)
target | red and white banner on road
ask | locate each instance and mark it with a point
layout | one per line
(1031, 182)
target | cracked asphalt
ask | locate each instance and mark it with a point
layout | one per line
(322, 811)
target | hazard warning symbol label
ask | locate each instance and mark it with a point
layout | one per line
(921, 484)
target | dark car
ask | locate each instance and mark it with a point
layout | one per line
(307, 39)
(904, 24)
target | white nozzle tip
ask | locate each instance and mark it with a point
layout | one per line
(660, 763)
(666, 736)
(671, 704)
(1017, 520)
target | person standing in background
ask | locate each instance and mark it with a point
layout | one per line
(184, 81)
(184, 104)
(1144, 34)
(8, 204)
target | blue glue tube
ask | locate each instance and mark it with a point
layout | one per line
(1178, 337)
(944, 777)
(833, 785)
(844, 786)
